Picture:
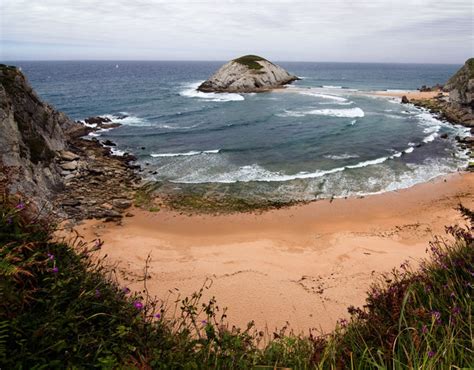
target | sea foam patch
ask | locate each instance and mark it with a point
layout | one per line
(184, 154)
(191, 92)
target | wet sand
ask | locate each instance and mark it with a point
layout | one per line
(304, 264)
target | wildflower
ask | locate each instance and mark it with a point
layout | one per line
(20, 206)
(424, 329)
(204, 322)
(452, 295)
(431, 354)
(343, 323)
(97, 293)
(157, 315)
(55, 270)
(50, 256)
(125, 290)
(404, 265)
(456, 310)
(437, 316)
(138, 305)
(9, 220)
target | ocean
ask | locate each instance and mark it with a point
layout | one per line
(322, 137)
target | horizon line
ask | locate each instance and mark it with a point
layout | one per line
(3, 61)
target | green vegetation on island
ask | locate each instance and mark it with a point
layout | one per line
(60, 308)
(250, 61)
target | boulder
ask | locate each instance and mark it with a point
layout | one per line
(66, 155)
(69, 166)
(461, 87)
(405, 100)
(249, 73)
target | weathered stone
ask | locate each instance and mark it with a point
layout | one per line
(249, 73)
(66, 155)
(405, 100)
(122, 203)
(69, 166)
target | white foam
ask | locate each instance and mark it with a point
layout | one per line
(409, 150)
(430, 138)
(341, 156)
(353, 122)
(185, 154)
(289, 113)
(324, 96)
(348, 113)
(191, 92)
(332, 87)
(127, 119)
(117, 152)
(257, 173)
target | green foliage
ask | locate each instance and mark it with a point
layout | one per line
(60, 309)
(250, 61)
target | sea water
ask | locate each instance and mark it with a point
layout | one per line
(324, 136)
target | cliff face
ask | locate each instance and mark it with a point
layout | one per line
(31, 134)
(249, 73)
(461, 87)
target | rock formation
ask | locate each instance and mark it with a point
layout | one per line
(249, 73)
(32, 134)
(44, 160)
(461, 87)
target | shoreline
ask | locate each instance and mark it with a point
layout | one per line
(303, 264)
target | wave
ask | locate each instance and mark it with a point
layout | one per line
(185, 154)
(127, 119)
(341, 156)
(256, 173)
(348, 113)
(342, 113)
(353, 122)
(332, 87)
(191, 92)
(324, 96)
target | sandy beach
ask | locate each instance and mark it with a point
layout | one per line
(303, 265)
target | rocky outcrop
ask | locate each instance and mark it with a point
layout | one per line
(249, 73)
(461, 87)
(31, 135)
(44, 159)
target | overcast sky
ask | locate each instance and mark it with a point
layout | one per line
(435, 31)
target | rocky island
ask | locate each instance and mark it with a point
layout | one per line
(249, 73)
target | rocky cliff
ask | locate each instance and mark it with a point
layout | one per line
(461, 87)
(249, 73)
(32, 135)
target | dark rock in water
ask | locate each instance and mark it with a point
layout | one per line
(97, 120)
(249, 73)
(109, 143)
(405, 100)
(121, 116)
(444, 136)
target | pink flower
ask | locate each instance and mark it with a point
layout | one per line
(138, 305)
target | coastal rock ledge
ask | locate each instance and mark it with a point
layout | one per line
(246, 74)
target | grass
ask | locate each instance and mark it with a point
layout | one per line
(61, 308)
(250, 61)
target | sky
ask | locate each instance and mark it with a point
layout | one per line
(410, 31)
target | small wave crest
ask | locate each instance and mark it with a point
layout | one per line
(342, 113)
(185, 154)
(324, 96)
(127, 119)
(338, 157)
(191, 92)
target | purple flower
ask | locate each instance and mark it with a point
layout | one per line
(9, 220)
(437, 316)
(158, 316)
(431, 354)
(55, 270)
(343, 323)
(50, 256)
(456, 310)
(424, 329)
(138, 305)
(125, 290)
(97, 293)
(452, 295)
(20, 205)
(204, 322)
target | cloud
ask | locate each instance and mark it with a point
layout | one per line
(332, 30)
